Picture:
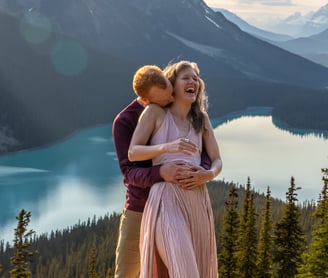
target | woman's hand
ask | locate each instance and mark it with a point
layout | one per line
(193, 176)
(181, 145)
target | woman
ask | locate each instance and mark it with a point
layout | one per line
(177, 230)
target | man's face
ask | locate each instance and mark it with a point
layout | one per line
(161, 96)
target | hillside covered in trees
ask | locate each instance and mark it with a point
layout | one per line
(257, 236)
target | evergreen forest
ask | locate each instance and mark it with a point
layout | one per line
(257, 237)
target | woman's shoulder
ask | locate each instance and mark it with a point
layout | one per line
(205, 114)
(153, 113)
(155, 109)
(207, 121)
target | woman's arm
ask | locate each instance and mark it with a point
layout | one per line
(149, 122)
(212, 148)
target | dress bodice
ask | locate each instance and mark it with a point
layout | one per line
(167, 132)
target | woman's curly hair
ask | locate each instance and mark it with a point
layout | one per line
(199, 107)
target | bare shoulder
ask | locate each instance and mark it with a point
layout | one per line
(155, 108)
(207, 124)
(206, 115)
(151, 118)
(154, 111)
(206, 119)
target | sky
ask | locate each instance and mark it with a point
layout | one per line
(262, 13)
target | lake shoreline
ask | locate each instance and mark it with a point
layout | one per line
(56, 141)
(249, 111)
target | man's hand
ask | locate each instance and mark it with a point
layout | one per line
(193, 177)
(169, 171)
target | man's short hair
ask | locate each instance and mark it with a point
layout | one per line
(146, 77)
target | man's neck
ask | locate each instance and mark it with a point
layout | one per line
(141, 101)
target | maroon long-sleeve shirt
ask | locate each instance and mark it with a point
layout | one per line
(140, 175)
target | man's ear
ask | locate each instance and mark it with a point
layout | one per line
(145, 100)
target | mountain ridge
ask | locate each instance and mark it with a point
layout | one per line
(298, 25)
(313, 48)
(246, 27)
(123, 29)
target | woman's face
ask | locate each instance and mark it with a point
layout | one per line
(186, 85)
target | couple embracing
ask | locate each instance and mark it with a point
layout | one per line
(167, 151)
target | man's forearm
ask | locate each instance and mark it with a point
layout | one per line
(142, 176)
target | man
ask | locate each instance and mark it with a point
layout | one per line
(150, 86)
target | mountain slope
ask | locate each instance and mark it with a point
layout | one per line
(147, 31)
(68, 64)
(246, 27)
(314, 47)
(317, 23)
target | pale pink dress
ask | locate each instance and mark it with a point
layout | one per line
(177, 229)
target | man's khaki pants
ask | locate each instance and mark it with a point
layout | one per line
(127, 263)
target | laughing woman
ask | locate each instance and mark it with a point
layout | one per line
(177, 230)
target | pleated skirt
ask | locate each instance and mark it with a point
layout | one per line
(177, 236)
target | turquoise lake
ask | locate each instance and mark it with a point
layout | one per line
(78, 178)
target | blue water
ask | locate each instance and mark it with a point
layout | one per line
(79, 177)
(61, 184)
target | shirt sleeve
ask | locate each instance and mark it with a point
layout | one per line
(141, 173)
(205, 159)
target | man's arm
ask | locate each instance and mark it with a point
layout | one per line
(141, 174)
(205, 159)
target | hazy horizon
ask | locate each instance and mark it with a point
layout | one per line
(265, 13)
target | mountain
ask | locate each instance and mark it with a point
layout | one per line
(317, 23)
(314, 47)
(139, 31)
(68, 64)
(292, 25)
(246, 27)
(298, 25)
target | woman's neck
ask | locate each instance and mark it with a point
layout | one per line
(179, 112)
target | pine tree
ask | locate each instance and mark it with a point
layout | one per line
(264, 259)
(109, 273)
(0, 269)
(244, 213)
(20, 260)
(289, 240)
(316, 260)
(92, 264)
(247, 241)
(227, 258)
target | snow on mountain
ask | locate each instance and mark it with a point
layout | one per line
(246, 27)
(298, 25)
(317, 23)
